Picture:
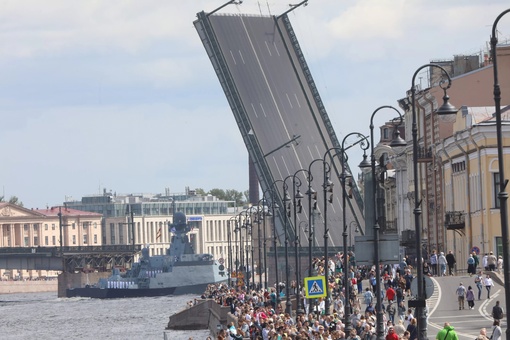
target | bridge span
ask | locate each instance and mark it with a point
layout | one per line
(68, 259)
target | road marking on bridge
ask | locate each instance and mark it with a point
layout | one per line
(482, 310)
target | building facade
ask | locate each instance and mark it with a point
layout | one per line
(441, 182)
(145, 219)
(471, 177)
(21, 227)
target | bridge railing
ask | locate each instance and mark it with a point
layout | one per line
(55, 251)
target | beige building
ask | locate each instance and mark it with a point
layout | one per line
(209, 233)
(21, 227)
(471, 182)
(457, 161)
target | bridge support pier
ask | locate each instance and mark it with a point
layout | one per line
(78, 280)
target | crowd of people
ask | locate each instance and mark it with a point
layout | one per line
(263, 314)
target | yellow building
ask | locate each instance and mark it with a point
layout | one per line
(471, 182)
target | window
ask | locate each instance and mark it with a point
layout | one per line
(95, 238)
(121, 233)
(36, 226)
(46, 226)
(499, 246)
(36, 241)
(85, 225)
(46, 241)
(495, 177)
(74, 239)
(25, 227)
(112, 233)
(25, 240)
(385, 133)
(53, 226)
(74, 226)
(54, 240)
(459, 167)
(95, 225)
(85, 239)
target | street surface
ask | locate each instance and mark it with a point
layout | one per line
(443, 307)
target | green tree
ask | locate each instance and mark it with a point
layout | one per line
(219, 193)
(200, 191)
(15, 200)
(234, 195)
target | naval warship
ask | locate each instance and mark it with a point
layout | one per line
(180, 271)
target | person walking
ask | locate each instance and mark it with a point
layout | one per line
(500, 264)
(461, 293)
(477, 260)
(442, 264)
(433, 262)
(450, 259)
(470, 297)
(390, 308)
(483, 335)
(392, 335)
(412, 329)
(479, 283)
(447, 333)
(471, 265)
(485, 266)
(492, 261)
(488, 283)
(497, 311)
(496, 331)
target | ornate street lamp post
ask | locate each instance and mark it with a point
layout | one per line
(396, 142)
(275, 206)
(356, 230)
(236, 230)
(230, 259)
(312, 210)
(247, 227)
(445, 109)
(343, 176)
(297, 208)
(257, 220)
(502, 195)
(286, 198)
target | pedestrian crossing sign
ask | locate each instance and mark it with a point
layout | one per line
(315, 287)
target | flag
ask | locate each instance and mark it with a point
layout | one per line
(158, 235)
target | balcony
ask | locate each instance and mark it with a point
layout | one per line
(455, 220)
(424, 154)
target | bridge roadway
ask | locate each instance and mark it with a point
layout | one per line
(443, 307)
(278, 110)
(69, 259)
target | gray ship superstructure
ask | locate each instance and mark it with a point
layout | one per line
(179, 271)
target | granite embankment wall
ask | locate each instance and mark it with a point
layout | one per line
(206, 314)
(77, 280)
(11, 287)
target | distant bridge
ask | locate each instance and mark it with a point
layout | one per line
(68, 259)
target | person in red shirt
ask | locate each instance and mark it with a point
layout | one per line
(391, 334)
(390, 293)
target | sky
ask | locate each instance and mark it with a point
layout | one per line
(120, 94)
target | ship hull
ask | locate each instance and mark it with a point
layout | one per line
(116, 293)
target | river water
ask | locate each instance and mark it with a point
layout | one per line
(45, 316)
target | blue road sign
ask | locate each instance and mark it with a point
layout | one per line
(315, 287)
